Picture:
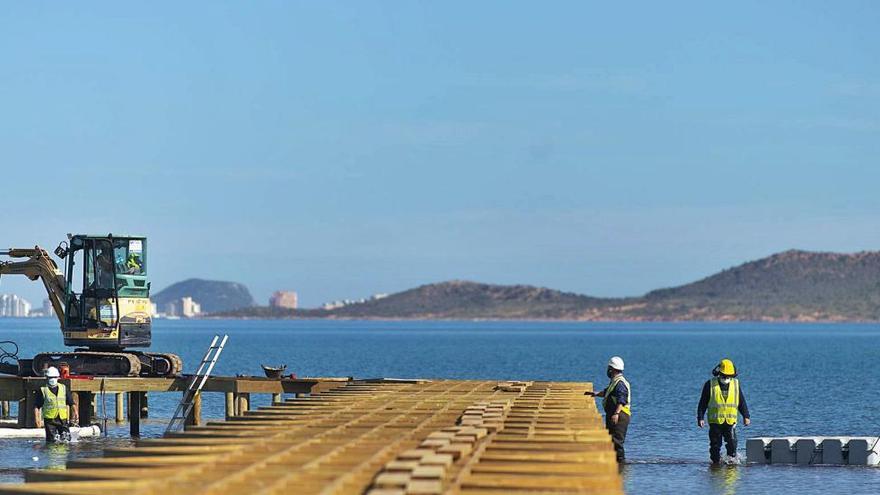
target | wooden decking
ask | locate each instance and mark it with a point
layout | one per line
(380, 438)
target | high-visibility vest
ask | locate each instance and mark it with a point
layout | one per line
(723, 409)
(610, 391)
(54, 406)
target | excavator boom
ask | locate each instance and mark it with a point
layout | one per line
(38, 265)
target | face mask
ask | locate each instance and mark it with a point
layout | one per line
(609, 373)
(724, 380)
(53, 382)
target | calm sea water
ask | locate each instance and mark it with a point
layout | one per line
(798, 379)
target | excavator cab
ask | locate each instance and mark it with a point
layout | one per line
(107, 303)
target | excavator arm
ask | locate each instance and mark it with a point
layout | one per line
(38, 265)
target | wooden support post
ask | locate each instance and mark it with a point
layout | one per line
(241, 403)
(84, 406)
(120, 407)
(22, 413)
(94, 405)
(134, 413)
(277, 398)
(230, 405)
(144, 405)
(30, 420)
(4, 409)
(194, 418)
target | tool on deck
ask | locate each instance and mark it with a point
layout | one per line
(195, 385)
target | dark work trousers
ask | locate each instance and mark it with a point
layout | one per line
(716, 434)
(56, 429)
(618, 433)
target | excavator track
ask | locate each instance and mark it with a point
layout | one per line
(90, 363)
(98, 363)
(163, 364)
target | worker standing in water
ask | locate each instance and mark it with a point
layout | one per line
(723, 399)
(616, 403)
(53, 407)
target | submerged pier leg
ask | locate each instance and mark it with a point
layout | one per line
(4, 409)
(277, 398)
(22, 413)
(134, 413)
(84, 406)
(145, 409)
(120, 407)
(230, 405)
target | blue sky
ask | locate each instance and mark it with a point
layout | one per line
(342, 149)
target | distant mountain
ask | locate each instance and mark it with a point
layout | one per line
(463, 299)
(793, 285)
(213, 295)
(790, 286)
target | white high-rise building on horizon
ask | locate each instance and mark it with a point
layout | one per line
(14, 306)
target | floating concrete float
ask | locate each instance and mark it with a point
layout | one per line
(851, 451)
(75, 431)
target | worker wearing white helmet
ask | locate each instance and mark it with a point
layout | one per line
(616, 399)
(53, 407)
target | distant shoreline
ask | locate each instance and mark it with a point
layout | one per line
(538, 320)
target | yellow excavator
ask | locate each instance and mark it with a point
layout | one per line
(102, 301)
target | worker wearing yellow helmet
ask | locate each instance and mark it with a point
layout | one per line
(723, 399)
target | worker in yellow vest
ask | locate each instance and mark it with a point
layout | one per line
(54, 409)
(616, 400)
(723, 399)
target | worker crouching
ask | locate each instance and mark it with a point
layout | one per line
(616, 401)
(723, 399)
(53, 407)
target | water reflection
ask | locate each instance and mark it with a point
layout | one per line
(724, 479)
(56, 455)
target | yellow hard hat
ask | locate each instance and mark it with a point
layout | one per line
(726, 367)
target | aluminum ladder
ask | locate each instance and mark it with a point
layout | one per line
(195, 385)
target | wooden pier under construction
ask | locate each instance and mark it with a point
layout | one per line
(378, 437)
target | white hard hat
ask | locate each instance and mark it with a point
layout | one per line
(616, 362)
(52, 372)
